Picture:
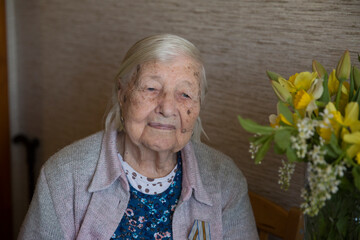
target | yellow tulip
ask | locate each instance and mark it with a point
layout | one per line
(354, 140)
(318, 68)
(333, 83)
(287, 84)
(356, 76)
(351, 117)
(344, 67)
(281, 92)
(272, 75)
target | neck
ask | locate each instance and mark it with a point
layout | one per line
(149, 163)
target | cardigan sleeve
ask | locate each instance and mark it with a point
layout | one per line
(41, 221)
(238, 219)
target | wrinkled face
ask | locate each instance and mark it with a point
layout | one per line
(162, 104)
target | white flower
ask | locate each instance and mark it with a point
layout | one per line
(306, 128)
(323, 181)
(285, 173)
(326, 115)
(253, 150)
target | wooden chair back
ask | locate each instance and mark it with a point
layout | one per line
(273, 219)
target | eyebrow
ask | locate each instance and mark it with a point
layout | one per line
(159, 78)
(155, 77)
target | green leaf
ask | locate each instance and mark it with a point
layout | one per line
(282, 138)
(330, 152)
(278, 150)
(334, 144)
(259, 140)
(325, 97)
(356, 97)
(285, 111)
(291, 155)
(356, 175)
(260, 154)
(273, 76)
(341, 225)
(253, 127)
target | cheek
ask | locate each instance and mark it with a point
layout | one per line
(139, 99)
(190, 114)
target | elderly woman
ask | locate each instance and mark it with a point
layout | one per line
(147, 176)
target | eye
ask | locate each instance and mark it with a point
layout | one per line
(185, 95)
(151, 89)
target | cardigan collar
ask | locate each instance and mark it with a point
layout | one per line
(109, 169)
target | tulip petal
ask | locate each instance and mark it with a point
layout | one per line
(353, 150)
(344, 67)
(333, 83)
(351, 113)
(352, 137)
(331, 107)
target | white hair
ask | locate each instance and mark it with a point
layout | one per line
(161, 47)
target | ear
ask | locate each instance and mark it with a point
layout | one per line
(119, 91)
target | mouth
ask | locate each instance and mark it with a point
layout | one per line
(162, 126)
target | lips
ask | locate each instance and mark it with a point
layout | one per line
(162, 126)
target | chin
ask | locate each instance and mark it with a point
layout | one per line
(162, 148)
(163, 145)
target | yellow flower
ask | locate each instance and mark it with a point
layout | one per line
(287, 84)
(329, 125)
(351, 117)
(276, 119)
(358, 158)
(317, 67)
(304, 80)
(333, 83)
(302, 99)
(356, 75)
(344, 67)
(304, 88)
(306, 99)
(281, 92)
(354, 149)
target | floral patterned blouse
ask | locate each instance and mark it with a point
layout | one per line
(150, 216)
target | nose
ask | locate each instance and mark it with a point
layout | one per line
(167, 105)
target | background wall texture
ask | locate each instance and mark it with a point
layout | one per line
(63, 57)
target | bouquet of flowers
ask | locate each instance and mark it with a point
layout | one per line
(317, 122)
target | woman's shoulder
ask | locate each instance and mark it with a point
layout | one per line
(83, 153)
(205, 153)
(215, 162)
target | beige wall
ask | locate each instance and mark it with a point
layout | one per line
(64, 55)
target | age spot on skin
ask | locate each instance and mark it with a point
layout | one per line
(188, 112)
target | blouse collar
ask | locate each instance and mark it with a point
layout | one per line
(109, 169)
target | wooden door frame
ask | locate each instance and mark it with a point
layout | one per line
(5, 169)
